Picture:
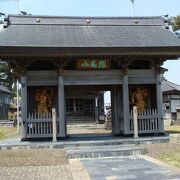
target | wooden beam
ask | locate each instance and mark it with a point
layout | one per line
(126, 104)
(61, 105)
(24, 106)
(159, 103)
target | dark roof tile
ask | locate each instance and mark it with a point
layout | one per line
(75, 32)
(169, 86)
(5, 89)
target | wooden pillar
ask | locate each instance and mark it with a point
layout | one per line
(115, 112)
(135, 121)
(96, 110)
(61, 105)
(126, 101)
(24, 107)
(159, 102)
(54, 125)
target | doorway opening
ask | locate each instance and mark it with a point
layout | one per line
(86, 110)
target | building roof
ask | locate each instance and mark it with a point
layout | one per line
(42, 31)
(168, 86)
(86, 32)
(4, 89)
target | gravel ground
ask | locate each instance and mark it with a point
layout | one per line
(39, 157)
(87, 129)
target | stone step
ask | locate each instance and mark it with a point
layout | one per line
(79, 119)
(85, 125)
(77, 143)
(105, 151)
(6, 123)
(119, 141)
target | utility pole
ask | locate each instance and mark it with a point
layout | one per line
(17, 85)
(133, 7)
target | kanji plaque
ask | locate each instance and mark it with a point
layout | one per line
(92, 64)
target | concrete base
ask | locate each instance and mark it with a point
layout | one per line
(16, 143)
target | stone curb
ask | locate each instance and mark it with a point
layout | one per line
(78, 170)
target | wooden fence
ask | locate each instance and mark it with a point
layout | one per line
(148, 121)
(40, 125)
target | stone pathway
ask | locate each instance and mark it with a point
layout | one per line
(133, 167)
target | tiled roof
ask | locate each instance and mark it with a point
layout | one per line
(169, 86)
(4, 89)
(47, 31)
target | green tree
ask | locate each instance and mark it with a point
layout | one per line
(176, 23)
(6, 77)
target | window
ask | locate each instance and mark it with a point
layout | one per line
(69, 105)
(74, 105)
(79, 104)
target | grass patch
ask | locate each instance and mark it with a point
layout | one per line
(166, 152)
(38, 157)
(7, 131)
(172, 158)
(173, 129)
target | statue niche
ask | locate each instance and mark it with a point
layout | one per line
(138, 98)
(43, 98)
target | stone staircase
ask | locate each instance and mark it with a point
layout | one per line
(6, 123)
(104, 151)
(88, 147)
(107, 148)
(86, 128)
(78, 119)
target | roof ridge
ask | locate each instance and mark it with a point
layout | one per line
(78, 25)
(84, 17)
(171, 83)
(84, 20)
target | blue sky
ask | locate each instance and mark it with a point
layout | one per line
(100, 8)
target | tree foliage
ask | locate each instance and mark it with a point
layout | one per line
(1, 22)
(176, 23)
(6, 77)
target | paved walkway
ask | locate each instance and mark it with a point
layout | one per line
(134, 168)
